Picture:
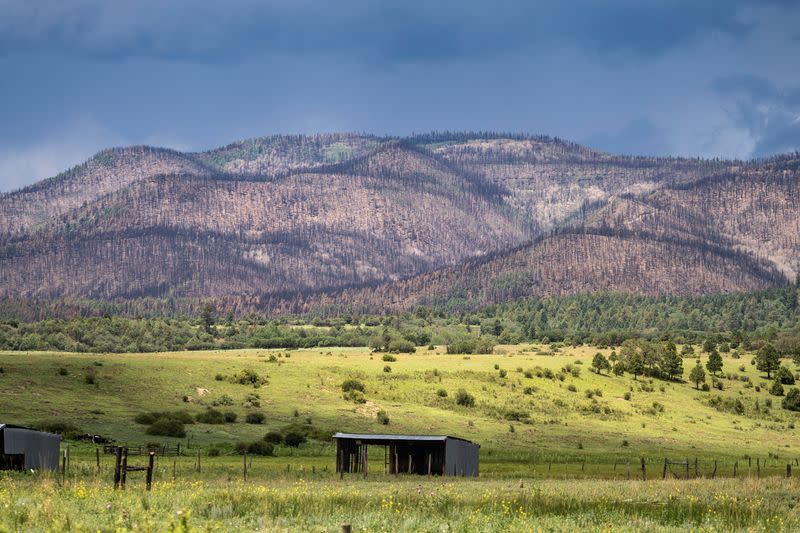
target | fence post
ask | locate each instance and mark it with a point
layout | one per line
(788, 469)
(124, 467)
(628, 469)
(644, 471)
(736, 464)
(174, 468)
(64, 464)
(695, 468)
(664, 472)
(687, 468)
(429, 465)
(117, 466)
(244, 466)
(97, 457)
(198, 460)
(758, 468)
(714, 473)
(150, 470)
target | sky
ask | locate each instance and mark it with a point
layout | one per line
(711, 78)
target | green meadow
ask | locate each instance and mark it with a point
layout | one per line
(556, 441)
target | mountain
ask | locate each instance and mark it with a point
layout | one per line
(291, 223)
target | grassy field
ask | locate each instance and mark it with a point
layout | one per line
(551, 457)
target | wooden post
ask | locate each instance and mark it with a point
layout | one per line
(244, 466)
(64, 464)
(124, 467)
(366, 460)
(250, 462)
(97, 457)
(68, 459)
(644, 471)
(735, 465)
(664, 472)
(409, 463)
(758, 468)
(687, 467)
(695, 468)
(174, 468)
(396, 463)
(178, 449)
(429, 464)
(628, 469)
(714, 473)
(117, 466)
(788, 469)
(583, 465)
(198, 460)
(150, 471)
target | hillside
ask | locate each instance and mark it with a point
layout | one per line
(480, 215)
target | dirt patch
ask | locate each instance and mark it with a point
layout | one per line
(368, 409)
(201, 391)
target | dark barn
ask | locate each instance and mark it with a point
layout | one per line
(27, 449)
(439, 455)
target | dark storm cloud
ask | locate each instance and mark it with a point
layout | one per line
(771, 115)
(629, 76)
(378, 31)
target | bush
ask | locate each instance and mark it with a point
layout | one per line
(273, 437)
(784, 375)
(387, 369)
(389, 358)
(230, 417)
(355, 396)
(148, 418)
(261, 447)
(776, 389)
(464, 398)
(248, 377)
(353, 385)
(792, 400)
(256, 417)
(91, 376)
(382, 417)
(63, 371)
(65, 429)
(223, 400)
(627, 396)
(503, 373)
(572, 388)
(167, 427)
(401, 346)
(211, 416)
(294, 439)
(441, 393)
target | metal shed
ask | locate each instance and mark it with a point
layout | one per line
(440, 455)
(23, 448)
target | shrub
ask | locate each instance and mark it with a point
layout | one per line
(294, 439)
(503, 373)
(63, 371)
(273, 437)
(792, 400)
(261, 447)
(91, 376)
(65, 429)
(230, 417)
(572, 388)
(223, 400)
(148, 418)
(441, 393)
(256, 417)
(167, 427)
(389, 358)
(776, 389)
(784, 375)
(382, 417)
(353, 385)
(248, 377)
(464, 398)
(496, 366)
(219, 377)
(627, 396)
(355, 396)
(529, 390)
(401, 346)
(387, 369)
(210, 416)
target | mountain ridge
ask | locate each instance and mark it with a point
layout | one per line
(358, 215)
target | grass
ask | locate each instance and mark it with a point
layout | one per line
(568, 450)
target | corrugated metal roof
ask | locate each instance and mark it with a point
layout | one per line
(371, 436)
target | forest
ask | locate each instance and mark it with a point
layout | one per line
(605, 319)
